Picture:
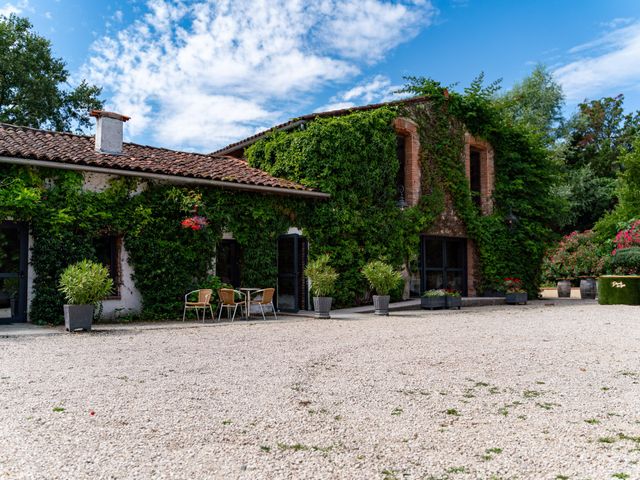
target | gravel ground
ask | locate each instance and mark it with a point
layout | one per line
(530, 392)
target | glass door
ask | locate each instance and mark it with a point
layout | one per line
(444, 263)
(292, 285)
(13, 267)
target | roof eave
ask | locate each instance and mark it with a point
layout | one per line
(164, 177)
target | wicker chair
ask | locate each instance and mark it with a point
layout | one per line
(264, 298)
(228, 300)
(203, 302)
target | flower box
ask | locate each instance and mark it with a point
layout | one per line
(619, 290)
(516, 298)
(453, 301)
(433, 303)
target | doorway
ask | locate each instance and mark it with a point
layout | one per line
(292, 290)
(444, 263)
(13, 272)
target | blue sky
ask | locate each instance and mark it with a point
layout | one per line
(199, 74)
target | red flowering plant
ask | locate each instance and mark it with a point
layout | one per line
(196, 222)
(625, 256)
(576, 255)
(627, 238)
(513, 285)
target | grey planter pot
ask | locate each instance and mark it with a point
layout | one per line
(381, 304)
(453, 302)
(78, 317)
(564, 288)
(322, 306)
(588, 288)
(431, 303)
(516, 298)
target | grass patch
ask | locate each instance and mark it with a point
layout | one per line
(452, 411)
(265, 448)
(397, 411)
(562, 477)
(621, 475)
(296, 447)
(531, 394)
(58, 409)
(547, 405)
(226, 422)
(606, 440)
(592, 421)
(457, 470)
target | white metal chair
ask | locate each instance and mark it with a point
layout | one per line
(264, 298)
(203, 302)
(227, 298)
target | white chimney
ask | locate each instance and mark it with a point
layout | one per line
(108, 131)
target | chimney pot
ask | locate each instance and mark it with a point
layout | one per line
(108, 131)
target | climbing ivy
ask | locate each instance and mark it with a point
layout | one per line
(353, 158)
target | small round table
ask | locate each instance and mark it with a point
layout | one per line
(247, 299)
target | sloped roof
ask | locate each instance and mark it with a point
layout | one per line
(312, 116)
(78, 150)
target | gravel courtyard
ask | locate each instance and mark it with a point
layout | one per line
(530, 392)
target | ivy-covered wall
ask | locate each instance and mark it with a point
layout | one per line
(353, 157)
(168, 260)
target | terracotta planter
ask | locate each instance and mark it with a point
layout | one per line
(432, 303)
(381, 304)
(516, 298)
(564, 288)
(78, 317)
(322, 306)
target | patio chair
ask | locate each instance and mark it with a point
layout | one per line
(203, 302)
(228, 300)
(264, 298)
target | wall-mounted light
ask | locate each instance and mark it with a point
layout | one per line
(511, 220)
(401, 202)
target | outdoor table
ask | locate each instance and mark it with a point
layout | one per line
(247, 299)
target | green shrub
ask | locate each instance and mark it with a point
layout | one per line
(576, 255)
(322, 275)
(381, 276)
(440, 292)
(85, 283)
(625, 262)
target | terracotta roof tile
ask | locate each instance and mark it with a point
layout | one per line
(66, 148)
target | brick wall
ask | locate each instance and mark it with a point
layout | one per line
(412, 173)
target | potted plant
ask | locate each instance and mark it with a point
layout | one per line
(323, 279)
(515, 294)
(83, 284)
(433, 299)
(382, 278)
(453, 299)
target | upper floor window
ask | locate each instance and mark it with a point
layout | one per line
(475, 176)
(400, 177)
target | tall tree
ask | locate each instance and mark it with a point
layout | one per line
(34, 89)
(536, 103)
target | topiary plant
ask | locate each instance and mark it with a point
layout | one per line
(322, 275)
(85, 283)
(626, 261)
(381, 276)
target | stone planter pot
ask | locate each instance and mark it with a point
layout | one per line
(588, 288)
(431, 303)
(381, 304)
(322, 306)
(564, 288)
(516, 298)
(619, 290)
(453, 302)
(78, 317)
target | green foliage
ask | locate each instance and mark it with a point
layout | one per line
(536, 103)
(381, 276)
(435, 293)
(85, 283)
(625, 262)
(322, 276)
(33, 83)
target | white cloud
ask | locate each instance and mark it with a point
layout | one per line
(16, 7)
(607, 65)
(202, 74)
(376, 90)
